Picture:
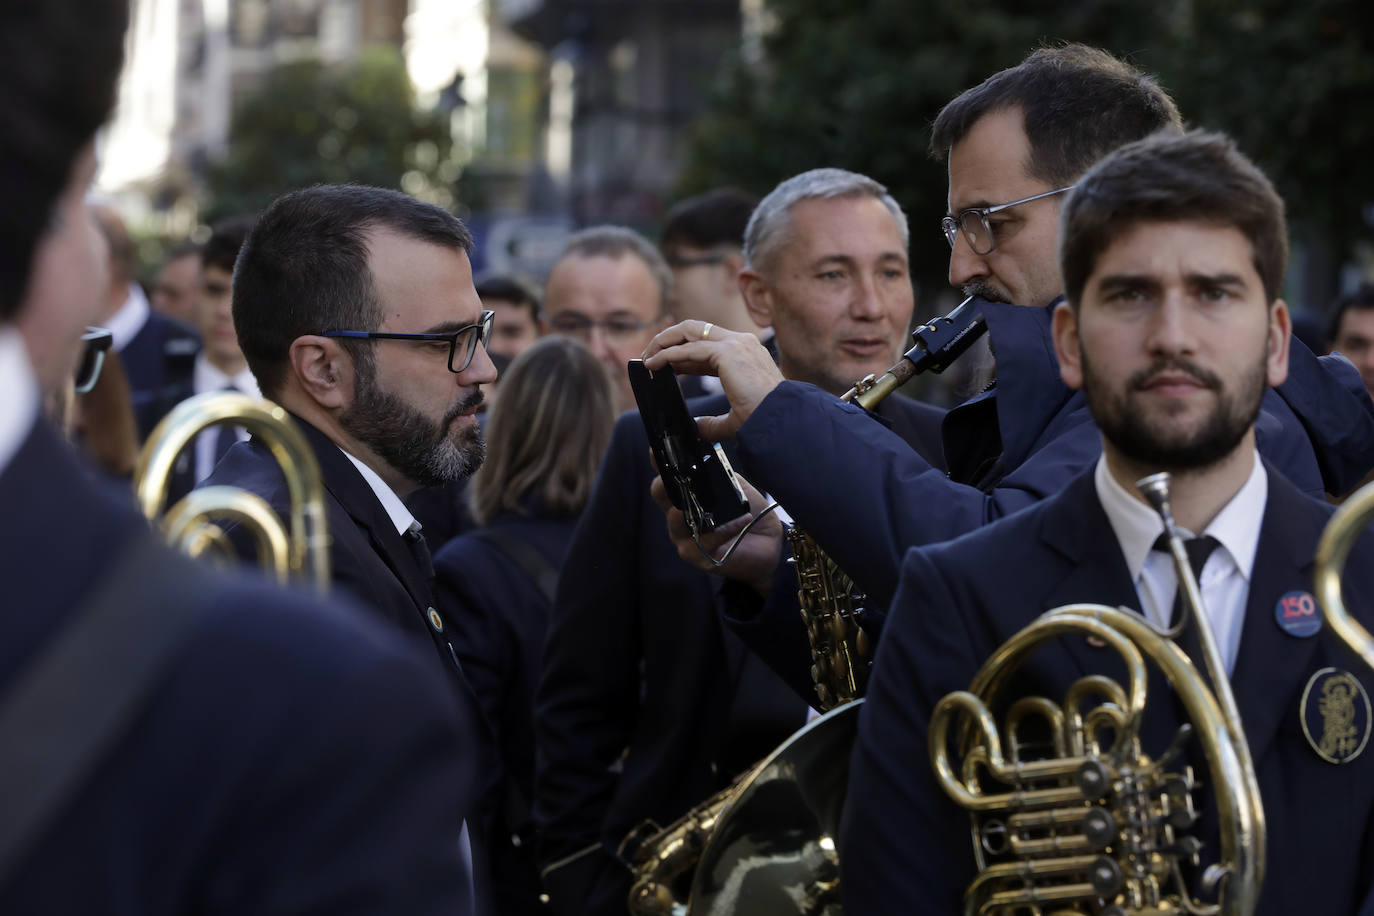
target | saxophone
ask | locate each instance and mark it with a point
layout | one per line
(830, 609)
(831, 605)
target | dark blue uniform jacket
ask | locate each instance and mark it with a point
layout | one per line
(295, 758)
(906, 846)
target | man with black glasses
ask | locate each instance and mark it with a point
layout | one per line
(356, 311)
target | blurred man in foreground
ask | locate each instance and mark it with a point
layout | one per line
(197, 744)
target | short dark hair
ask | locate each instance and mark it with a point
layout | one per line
(59, 63)
(505, 288)
(226, 239)
(547, 432)
(1198, 176)
(716, 218)
(1079, 103)
(1359, 299)
(303, 269)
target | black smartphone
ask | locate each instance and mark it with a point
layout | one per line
(696, 473)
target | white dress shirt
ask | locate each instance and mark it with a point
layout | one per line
(19, 406)
(1226, 577)
(395, 509)
(125, 324)
(207, 377)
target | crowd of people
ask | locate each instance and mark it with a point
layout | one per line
(525, 657)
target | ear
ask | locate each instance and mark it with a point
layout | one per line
(1066, 345)
(1280, 336)
(758, 297)
(323, 371)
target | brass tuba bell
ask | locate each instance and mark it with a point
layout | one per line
(297, 550)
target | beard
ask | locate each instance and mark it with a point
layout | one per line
(1156, 443)
(421, 450)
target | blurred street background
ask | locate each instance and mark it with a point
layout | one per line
(530, 118)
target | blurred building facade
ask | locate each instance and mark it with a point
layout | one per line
(624, 79)
(563, 112)
(187, 63)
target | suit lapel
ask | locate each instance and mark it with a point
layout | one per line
(1076, 527)
(1272, 666)
(351, 491)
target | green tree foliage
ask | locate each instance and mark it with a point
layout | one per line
(308, 123)
(857, 85)
(1293, 83)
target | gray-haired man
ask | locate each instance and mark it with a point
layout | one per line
(646, 706)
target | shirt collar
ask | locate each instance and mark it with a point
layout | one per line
(209, 377)
(19, 407)
(125, 324)
(1137, 526)
(395, 509)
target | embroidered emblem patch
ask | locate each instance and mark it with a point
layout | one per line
(1297, 615)
(1335, 715)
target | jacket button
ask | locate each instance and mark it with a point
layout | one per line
(436, 621)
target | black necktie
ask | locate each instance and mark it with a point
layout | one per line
(1198, 550)
(419, 549)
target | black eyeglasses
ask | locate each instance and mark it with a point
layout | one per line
(462, 343)
(95, 343)
(973, 222)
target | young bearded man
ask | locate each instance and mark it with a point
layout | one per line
(1173, 253)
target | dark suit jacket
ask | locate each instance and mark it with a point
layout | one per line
(371, 563)
(368, 558)
(905, 844)
(499, 618)
(160, 362)
(646, 706)
(295, 758)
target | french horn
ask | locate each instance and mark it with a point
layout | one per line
(297, 550)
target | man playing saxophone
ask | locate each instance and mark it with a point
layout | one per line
(1173, 251)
